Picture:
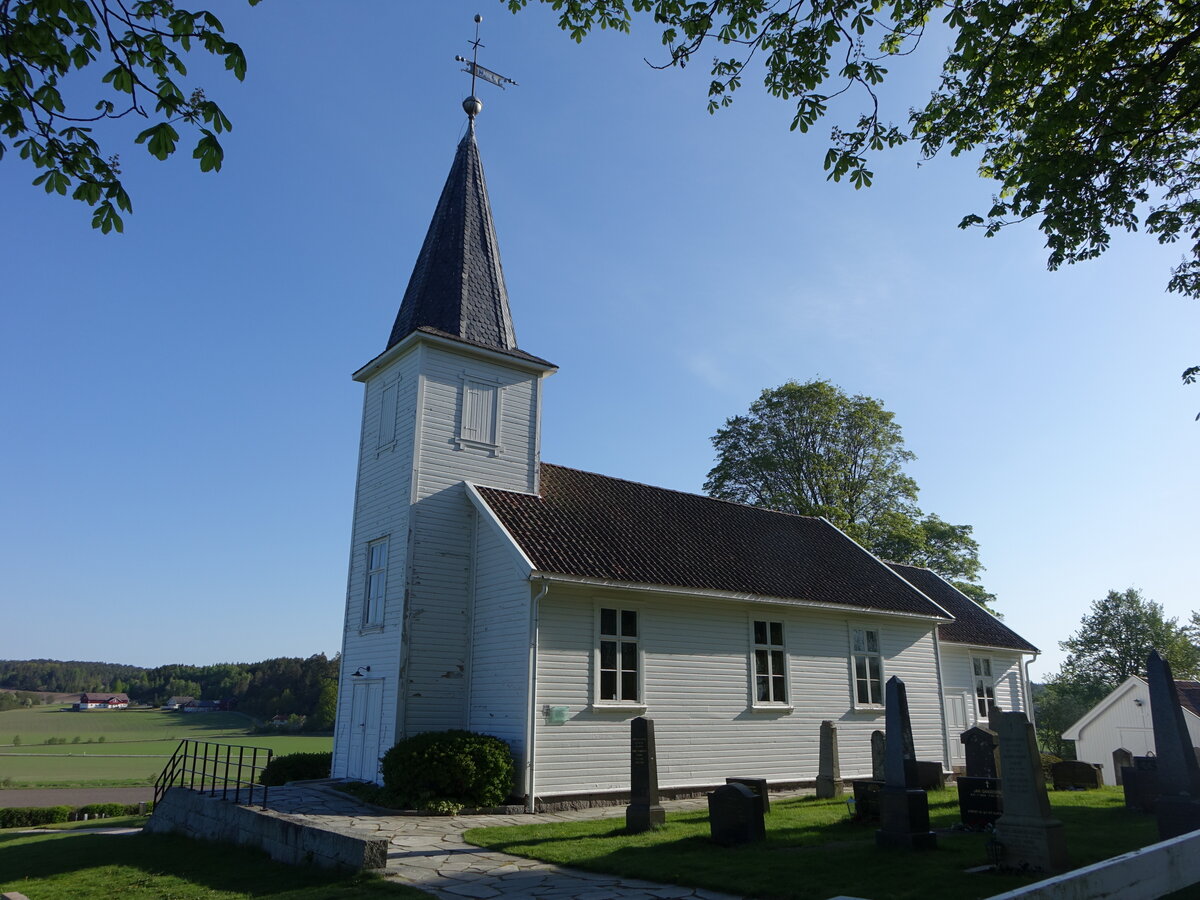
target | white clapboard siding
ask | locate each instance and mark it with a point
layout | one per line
(697, 691)
(441, 570)
(500, 641)
(381, 509)
(958, 676)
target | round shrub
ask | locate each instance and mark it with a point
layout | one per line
(1048, 761)
(441, 770)
(296, 767)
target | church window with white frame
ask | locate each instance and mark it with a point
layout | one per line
(769, 662)
(618, 669)
(377, 560)
(985, 686)
(866, 665)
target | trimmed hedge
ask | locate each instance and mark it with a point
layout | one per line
(296, 767)
(28, 816)
(1048, 761)
(447, 770)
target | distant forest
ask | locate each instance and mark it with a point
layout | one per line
(288, 686)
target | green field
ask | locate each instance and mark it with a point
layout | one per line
(117, 747)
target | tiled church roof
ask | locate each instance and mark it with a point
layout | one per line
(593, 526)
(972, 623)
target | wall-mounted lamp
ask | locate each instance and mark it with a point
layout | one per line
(1137, 701)
(360, 671)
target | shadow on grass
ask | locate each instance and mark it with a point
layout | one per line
(151, 865)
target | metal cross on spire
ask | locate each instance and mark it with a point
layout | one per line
(473, 105)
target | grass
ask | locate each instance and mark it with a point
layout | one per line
(813, 851)
(117, 747)
(66, 867)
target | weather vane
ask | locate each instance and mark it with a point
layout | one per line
(473, 105)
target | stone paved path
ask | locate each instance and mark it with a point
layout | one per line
(429, 852)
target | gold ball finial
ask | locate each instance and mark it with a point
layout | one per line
(472, 106)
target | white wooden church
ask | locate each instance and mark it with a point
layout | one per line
(548, 606)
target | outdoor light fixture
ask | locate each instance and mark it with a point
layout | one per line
(1137, 701)
(360, 671)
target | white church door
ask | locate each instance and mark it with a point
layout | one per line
(956, 724)
(366, 711)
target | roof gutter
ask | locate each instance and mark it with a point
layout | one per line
(531, 701)
(411, 340)
(1025, 664)
(728, 595)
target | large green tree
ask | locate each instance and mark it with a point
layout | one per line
(1085, 116)
(68, 66)
(814, 450)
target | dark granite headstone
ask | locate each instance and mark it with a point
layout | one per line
(1031, 839)
(1178, 804)
(735, 815)
(758, 785)
(1140, 782)
(903, 807)
(979, 801)
(866, 799)
(1122, 759)
(643, 812)
(981, 748)
(1074, 775)
(878, 754)
(930, 775)
(829, 770)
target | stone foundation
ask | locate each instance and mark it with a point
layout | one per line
(201, 816)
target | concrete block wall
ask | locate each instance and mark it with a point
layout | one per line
(209, 818)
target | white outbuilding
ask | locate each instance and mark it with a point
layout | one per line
(1122, 720)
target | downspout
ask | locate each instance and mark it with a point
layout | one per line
(948, 765)
(1025, 664)
(531, 711)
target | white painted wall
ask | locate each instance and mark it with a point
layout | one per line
(1123, 720)
(697, 691)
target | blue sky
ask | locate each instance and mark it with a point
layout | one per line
(180, 425)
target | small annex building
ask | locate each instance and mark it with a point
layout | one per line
(1122, 720)
(550, 606)
(101, 701)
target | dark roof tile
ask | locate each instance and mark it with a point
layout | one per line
(593, 526)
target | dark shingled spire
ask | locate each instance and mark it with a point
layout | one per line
(457, 285)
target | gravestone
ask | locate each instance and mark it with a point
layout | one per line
(980, 802)
(1178, 804)
(758, 785)
(1032, 840)
(735, 815)
(930, 775)
(643, 812)
(1074, 775)
(1122, 759)
(1141, 784)
(878, 754)
(981, 749)
(829, 770)
(903, 807)
(866, 799)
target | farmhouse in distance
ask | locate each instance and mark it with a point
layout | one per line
(549, 606)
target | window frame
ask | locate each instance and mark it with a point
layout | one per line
(770, 647)
(853, 655)
(598, 638)
(373, 605)
(984, 698)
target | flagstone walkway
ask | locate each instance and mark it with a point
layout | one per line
(429, 853)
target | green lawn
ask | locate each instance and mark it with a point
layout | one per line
(136, 744)
(69, 866)
(813, 851)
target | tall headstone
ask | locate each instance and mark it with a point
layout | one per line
(981, 749)
(735, 815)
(1178, 804)
(878, 754)
(644, 811)
(1122, 759)
(1031, 838)
(1141, 784)
(903, 807)
(829, 770)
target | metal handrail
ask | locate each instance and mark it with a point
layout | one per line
(210, 763)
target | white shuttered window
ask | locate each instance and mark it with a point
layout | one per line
(480, 414)
(377, 559)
